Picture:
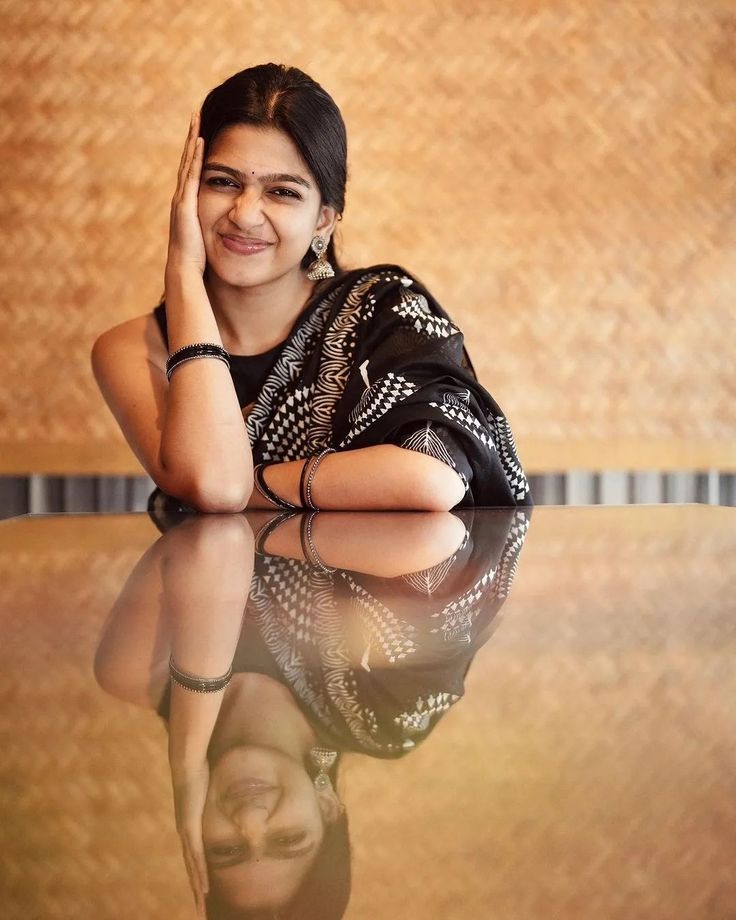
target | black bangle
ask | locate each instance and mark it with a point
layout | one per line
(268, 528)
(196, 684)
(302, 482)
(267, 492)
(192, 352)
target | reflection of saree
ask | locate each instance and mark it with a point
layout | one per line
(375, 662)
(373, 359)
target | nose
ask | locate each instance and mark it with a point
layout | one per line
(246, 210)
(251, 819)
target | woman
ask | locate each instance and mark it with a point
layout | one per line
(346, 389)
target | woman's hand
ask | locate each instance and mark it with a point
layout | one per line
(186, 246)
(190, 792)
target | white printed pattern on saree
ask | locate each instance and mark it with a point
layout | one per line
(415, 307)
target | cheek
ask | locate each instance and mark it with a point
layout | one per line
(204, 210)
(303, 808)
(300, 221)
(211, 208)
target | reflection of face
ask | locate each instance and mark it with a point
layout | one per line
(262, 826)
(261, 190)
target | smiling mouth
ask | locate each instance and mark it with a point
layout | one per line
(247, 788)
(244, 246)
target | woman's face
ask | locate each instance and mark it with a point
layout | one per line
(263, 825)
(259, 206)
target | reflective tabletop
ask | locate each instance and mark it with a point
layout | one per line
(500, 713)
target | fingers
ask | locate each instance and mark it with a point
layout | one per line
(186, 146)
(195, 166)
(196, 862)
(188, 154)
(197, 873)
(201, 868)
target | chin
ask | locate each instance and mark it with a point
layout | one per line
(247, 759)
(236, 279)
(242, 277)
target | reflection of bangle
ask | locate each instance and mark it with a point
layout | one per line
(308, 547)
(267, 492)
(309, 471)
(199, 684)
(268, 528)
(198, 350)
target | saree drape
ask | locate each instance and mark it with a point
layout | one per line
(374, 359)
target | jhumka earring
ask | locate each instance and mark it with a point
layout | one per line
(320, 268)
(323, 759)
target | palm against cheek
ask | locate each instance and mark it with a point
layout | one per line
(186, 245)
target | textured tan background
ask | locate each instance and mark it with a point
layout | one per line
(590, 770)
(560, 173)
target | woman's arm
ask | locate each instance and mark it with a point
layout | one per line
(188, 432)
(188, 435)
(379, 478)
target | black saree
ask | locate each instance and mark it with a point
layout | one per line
(374, 359)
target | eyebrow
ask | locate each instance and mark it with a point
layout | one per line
(271, 177)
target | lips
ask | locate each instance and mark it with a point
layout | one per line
(248, 788)
(244, 245)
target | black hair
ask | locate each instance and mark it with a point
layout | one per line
(274, 95)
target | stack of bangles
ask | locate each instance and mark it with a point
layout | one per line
(192, 352)
(196, 684)
(306, 483)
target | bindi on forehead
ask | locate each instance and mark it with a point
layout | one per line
(245, 144)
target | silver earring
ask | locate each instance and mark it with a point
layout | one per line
(323, 759)
(320, 268)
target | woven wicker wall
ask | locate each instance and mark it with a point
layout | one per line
(561, 174)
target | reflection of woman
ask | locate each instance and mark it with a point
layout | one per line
(354, 385)
(259, 819)
(325, 660)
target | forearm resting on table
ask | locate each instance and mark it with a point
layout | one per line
(204, 450)
(383, 477)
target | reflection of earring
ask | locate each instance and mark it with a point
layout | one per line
(320, 268)
(323, 759)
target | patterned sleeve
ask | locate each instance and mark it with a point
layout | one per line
(435, 440)
(413, 385)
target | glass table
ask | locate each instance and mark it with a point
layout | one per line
(502, 713)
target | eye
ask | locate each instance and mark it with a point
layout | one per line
(286, 193)
(221, 182)
(291, 840)
(227, 851)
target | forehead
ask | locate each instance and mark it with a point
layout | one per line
(251, 147)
